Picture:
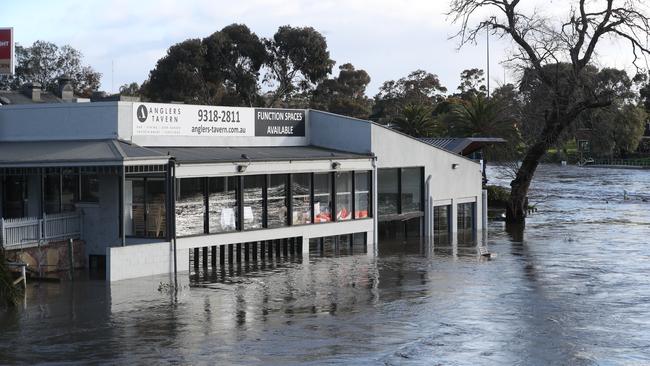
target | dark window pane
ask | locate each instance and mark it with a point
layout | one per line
(190, 206)
(89, 188)
(301, 192)
(322, 197)
(52, 190)
(387, 191)
(223, 204)
(70, 190)
(344, 196)
(155, 206)
(15, 198)
(442, 224)
(253, 201)
(411, 190)
(277, 201)
(362, 186)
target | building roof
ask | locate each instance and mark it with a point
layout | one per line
(463, 145)
(73, 152)
(12, 97)
(256, 153)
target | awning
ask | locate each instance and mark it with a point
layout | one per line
(76, 153)
(463, 145)
(254, 153)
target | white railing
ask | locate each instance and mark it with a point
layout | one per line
(29, 231)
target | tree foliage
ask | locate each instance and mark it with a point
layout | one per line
(541, 42)
(233, 59)
(419, 87)
(45, 63)
(297, 59)
(472, 84)
(482, 117)
(416, 120)
(344, 94)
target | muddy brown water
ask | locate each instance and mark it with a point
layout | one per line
(574, 289)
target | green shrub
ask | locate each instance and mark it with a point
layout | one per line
(9, 293)
(498, 197)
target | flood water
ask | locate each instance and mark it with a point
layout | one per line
(575, 289)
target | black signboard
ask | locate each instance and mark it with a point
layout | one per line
(279, 122)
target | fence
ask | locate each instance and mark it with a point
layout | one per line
(29, 231)
(644, 163)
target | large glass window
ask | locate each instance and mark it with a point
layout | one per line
(276, 201)
(344, 196)
(69, 190)
(222, 204)
(388, 191)
(411, 190)
(253, 201)
(190, 206)
(52, 190)
(465, 221)
(441, 224)
(322, 197)
(362, 184)
(301, 201)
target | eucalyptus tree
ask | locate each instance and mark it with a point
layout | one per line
(541, 41)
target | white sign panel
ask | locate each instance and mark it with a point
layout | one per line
(157, 119)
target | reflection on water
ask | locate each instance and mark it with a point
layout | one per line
(571, 289)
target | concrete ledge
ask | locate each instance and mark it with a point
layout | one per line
(143, 260)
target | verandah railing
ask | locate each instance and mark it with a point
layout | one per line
(29, 231)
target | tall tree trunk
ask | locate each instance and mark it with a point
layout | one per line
(518, 206)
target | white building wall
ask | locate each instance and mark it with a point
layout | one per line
(460, 184)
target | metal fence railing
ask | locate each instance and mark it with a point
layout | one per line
(29, 231)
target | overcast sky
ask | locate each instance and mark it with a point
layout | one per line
(124, 39)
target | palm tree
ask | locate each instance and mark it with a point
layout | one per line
(480, 116)
(416, 120)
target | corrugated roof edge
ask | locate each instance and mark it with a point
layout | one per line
(395, 131)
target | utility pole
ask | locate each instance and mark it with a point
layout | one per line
(487, 36)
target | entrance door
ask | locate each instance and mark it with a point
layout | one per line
(145, 207)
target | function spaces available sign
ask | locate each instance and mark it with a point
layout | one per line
(6, 51)
(157, 119)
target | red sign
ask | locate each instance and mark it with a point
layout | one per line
(6, 51)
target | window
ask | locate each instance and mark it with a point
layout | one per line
(442, 224)
(322, 197)
(362, 184)
(253, 201)
(343, 196)
(155, 203)
(222, 203)
(388, 191)
(277, 201)
(52, 191)
(89, 188)
(15, 196)
(411, 190)
(69, 190)
(301, 198)
(465, 222)
(190, 206)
